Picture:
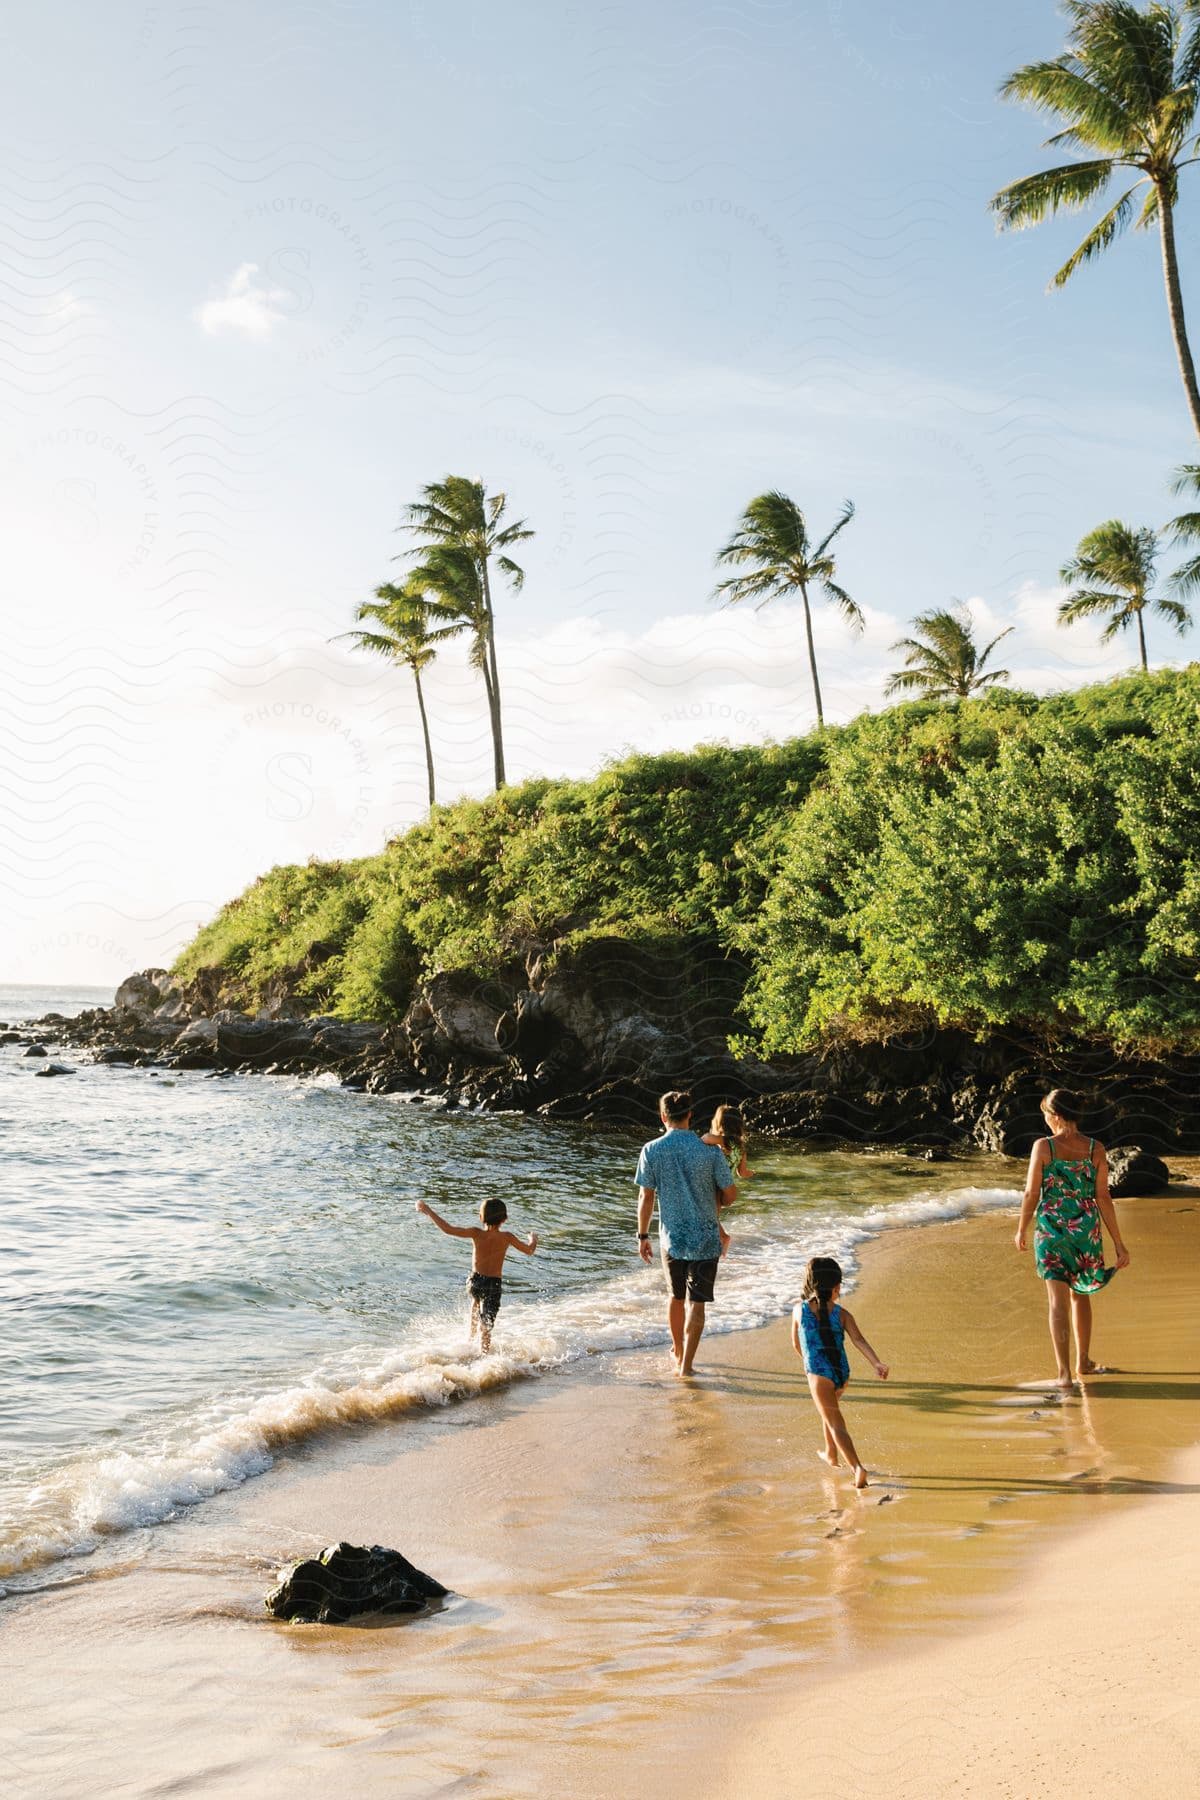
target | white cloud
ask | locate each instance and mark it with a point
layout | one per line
(247, 307)
(64, 306)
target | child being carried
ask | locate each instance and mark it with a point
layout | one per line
(490, 1247)
(728, 1133)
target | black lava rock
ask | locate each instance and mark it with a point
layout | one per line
(37, 1050)
(349, 1580)
(53, 1069)
(1132, 1170)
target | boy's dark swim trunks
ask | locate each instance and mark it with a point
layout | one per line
(486, 1289)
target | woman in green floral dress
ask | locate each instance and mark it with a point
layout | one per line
(1067, 1201)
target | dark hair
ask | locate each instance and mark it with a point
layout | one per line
(675, 1106)
(730, 1126)
(1068, 1105)
(822, 1275)
(493, 1212)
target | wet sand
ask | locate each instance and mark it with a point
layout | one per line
(657, 1585)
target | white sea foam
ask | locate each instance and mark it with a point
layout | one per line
(208, 1451)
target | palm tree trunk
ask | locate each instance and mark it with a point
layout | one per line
(493, 685)
(428, 742)
(1142, 640)
(1187, 368)
(812, 653)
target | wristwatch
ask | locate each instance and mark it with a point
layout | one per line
(643, 1237)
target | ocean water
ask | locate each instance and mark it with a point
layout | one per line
(196, 1273)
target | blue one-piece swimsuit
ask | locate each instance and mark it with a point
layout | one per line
(816, 1356)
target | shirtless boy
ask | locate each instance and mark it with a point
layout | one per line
(490, 1247)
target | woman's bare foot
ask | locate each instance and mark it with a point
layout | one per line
(860, 1478)
(830, 1461)
(1093, 1368)
(1065, 1383)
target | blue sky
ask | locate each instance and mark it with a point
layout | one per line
(272, 269)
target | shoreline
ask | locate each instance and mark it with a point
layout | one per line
(1083, 1682)
(519, 1044)
(626, 1549)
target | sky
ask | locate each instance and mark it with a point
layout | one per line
(268, 271)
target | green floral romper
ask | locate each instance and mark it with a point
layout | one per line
(1067, 1241)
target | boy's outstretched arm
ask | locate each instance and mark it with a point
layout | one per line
(528, 1245)
(852, 1331)
(467, 1231)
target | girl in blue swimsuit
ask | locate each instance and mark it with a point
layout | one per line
(819, 1330)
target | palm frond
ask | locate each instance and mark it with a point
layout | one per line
(1099, 237)
(1186, 578)
(1133, 48)
(850, 610)
(1085, 603)
(1118, 623)
(908, 681)
(998, 639)
(508, 567)
(1064, 88)
(1187, 67)
(1175, 612)
(1037, 197)
(762, 585)
(847, 513)
(1184, 528)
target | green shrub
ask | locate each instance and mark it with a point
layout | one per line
(1002, 860)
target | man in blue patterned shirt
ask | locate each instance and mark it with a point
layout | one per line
(691, 1181)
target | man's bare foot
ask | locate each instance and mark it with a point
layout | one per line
(860, 1478)
(825, 1457)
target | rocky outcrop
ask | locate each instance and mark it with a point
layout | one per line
(350, 1581)
(1132, 1170)
(599, 1032)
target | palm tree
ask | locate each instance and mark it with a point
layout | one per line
(402, 627)
(1114, 567)
(772, 540)
(453, 575)
(1126, 88)
(1186, 530)
(460, 516)
(943, 661)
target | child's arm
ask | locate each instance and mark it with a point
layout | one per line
(528, 1245)
(467, 1231)
(852, 1331)
(796, 1344)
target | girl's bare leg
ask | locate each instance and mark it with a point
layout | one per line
(1081, 1321)
(1058, 1296)
(829, 1454)
(825, 1397)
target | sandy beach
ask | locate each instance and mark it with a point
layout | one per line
(658, 1586)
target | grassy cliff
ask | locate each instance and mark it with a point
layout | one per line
(1006, 861)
